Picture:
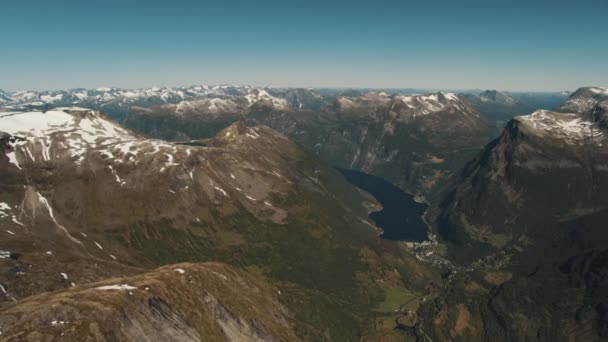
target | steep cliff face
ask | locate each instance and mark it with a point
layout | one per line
(542, 158)
(527, 218)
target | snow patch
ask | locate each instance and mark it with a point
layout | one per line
(44, 201)
(120, 287)
(570, 127)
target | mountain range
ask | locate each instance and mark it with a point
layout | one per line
(116, 102)
(221, 216)
(360, 129)
(364, 132)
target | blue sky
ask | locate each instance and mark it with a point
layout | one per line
(465, 44)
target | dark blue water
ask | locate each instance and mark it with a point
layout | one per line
(401, 218)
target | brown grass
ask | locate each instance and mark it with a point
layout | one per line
(463, 321)
(437, 160)
(497, 277)
(472, 286)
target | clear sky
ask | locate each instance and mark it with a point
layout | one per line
(455, 44)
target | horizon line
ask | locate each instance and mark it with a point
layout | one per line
(304, 87)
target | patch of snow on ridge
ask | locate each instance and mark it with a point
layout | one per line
(220, 190)
(599, 90)
(451, 96)
(51, 98)
(44, 202)
(120, 287)
(568, 126)
(72, 133)
(118, 179)
(14, 219)
(34, 123)
(430, 103)
(77, 130)
(12, 158)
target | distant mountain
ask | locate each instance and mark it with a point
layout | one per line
(542, 100)
(584, 99)
(115, 101)
(89, 210)
(415, 141)
(497, 106)
(303, 99)
(4, 97)
(527, 218)
(500, 107)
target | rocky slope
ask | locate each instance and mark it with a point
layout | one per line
(526, 219)
(182, 302)
(83, 199)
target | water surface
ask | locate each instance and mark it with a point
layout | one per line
(401, 216)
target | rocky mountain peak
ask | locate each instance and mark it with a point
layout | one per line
(584, 99)
(587, 92)
(236, 132)
(497, 96)
(422, 105)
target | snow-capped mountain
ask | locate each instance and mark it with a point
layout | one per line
(257, 96)
(584, 99)
(304, 98)
(564, 152)
(116, 101)
(531, 208)
(405, 107)
(220, 104)
(416, 105)
(571, 128)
